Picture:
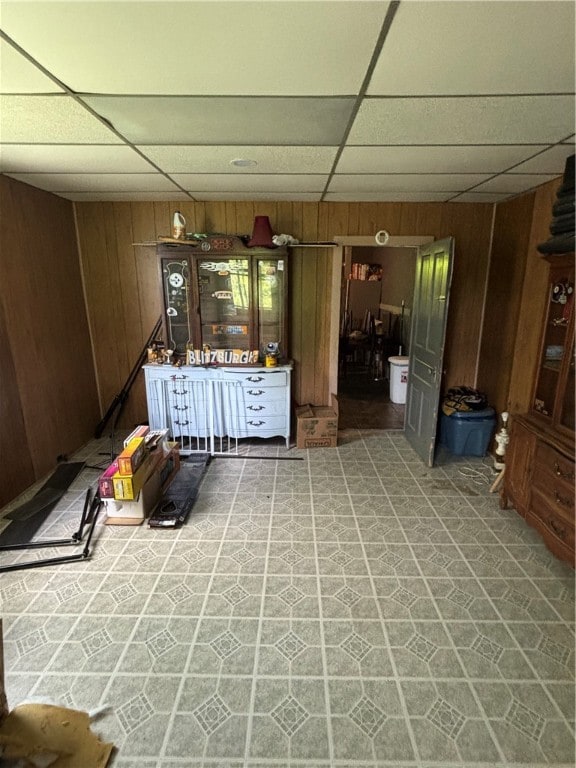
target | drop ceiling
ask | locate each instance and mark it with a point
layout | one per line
(330, 100)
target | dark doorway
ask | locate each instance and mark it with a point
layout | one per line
(364, 403)
(376, 299)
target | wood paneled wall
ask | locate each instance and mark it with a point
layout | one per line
(503, 297)
(123, 297)
(48, 403)
(65, 355)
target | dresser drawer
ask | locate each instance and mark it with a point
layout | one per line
(551, 519)
(264, 407)
(256, 427)
(548, 459)
(553, 476)
(554, 507)
(257, 379)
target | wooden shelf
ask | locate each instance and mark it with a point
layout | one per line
(194, 243)
(315, 245)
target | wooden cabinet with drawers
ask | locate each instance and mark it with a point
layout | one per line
(539, 478)
(539, 483)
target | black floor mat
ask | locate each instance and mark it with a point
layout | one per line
(179, 498)
(28, 517)
(43, 499)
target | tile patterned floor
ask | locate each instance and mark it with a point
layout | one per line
(348, 609)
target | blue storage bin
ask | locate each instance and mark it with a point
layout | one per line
(467, 433)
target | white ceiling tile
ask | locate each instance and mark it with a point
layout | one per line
(197, 83)
(105, 182)
(387, 197)
(50, 120)
(478, 47)
(19, 75)
(551, 161)
(305, 197)
(65, 158)
(204, 120)
(208, 159)
(200, 47)
(120, 197)
(215, 182)
(475, 120)
(509, 183)
(405, 183)
(455, 159)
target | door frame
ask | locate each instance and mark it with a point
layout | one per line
(342, 241)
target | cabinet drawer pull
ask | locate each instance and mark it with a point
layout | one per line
(255, 392)
(180, 407)
(255, 379)
(255, 423)
(562, 499)
(255, 407)
(181, 423)
(558, 470)
(558, 529)
(180, 394)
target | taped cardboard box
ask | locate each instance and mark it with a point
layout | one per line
(317, 425)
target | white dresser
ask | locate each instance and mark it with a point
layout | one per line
(207, 409)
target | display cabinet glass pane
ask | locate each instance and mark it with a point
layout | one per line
(553, 349)
(271, 320)
(567, 408)
(176, 287)
(224, 289)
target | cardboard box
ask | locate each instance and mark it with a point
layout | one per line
(170, 465)
(127, 487)
(105, 482)
(135, 512)
(140, 431)
(156, 438)
(131, 457)
(317, 426)
(142, 507)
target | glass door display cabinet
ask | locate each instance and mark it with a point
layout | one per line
(224, 303)
(225, 326)
(539, 475)
(554, 390)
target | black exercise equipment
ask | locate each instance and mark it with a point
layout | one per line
(90, 513)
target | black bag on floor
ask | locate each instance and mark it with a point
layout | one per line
(463, 399)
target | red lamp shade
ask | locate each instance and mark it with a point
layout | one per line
(261, 233)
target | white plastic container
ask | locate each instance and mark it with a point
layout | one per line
(398, 379)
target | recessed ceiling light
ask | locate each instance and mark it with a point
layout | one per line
(243, 163)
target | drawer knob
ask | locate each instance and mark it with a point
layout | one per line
(255, 407)
(558, 529)
(255, 379)
(255, 391)
(562, 499)
(255, 423)
(558, 470)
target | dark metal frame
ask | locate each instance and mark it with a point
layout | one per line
(122, 396)
(90, 513)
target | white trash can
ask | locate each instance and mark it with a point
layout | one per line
(398, 378)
